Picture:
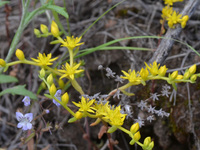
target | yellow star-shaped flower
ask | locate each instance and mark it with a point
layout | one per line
(70, 71)
(71, 42)
(44, 60)
(85, 105)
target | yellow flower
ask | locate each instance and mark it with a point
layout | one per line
(162, 71)
(71, 42)
(70, 71)
(153, 68)
(114, 117)
(85, 105)
(131, 76)
(174, 19)
(166, 12)
(44, 60)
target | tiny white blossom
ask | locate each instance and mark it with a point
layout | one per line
(151, 109)
(165, 90)
(154, 96)
(159, 112)
(140, 121)
(100, 67)
(150, 118)
(117, 94)
(110, 73)
(142, 104)
(118, 79)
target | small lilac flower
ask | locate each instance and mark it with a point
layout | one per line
(58, 96)
(26, 101)
(24, 120)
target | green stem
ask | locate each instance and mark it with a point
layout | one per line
(71, 57)
(126, 131)
(125, 86)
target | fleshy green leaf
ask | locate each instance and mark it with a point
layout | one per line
(19, 90)
(7, 79)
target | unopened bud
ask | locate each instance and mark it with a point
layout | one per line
(162, 71)
(42, 73)
(61, 83)
(147, 141)
(2, 63)
(151, 145)
(50, 79)
(186, 75)
(193, 69)
(37, 33)
(44, 29)
(54, 29)
(193, 77)
(134, 128)
(20, 54)
(137, 136)
(78, 115)
(65, 98)
(52, 90)
(174, 75)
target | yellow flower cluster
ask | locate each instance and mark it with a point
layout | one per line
(155, 72)
(111, 115)
(172, 16)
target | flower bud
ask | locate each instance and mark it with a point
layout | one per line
(151, 145)
(162, 71)
(42, 73)
(78, 115)
(50, 79)
(144, 73)
(37, 33)
(2, 63)
(186, 75)
(174, 75)
(193, 77)
(184, 21)
(44, 29)
(54, 29)
(65, 98)
(52, 90)
(43, 85)
(134, 128)
(112, 129)
(193, 69)
(61, 83)
(20, 54)
(137, 136)
(147, 141)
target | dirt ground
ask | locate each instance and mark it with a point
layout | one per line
(179, 131)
